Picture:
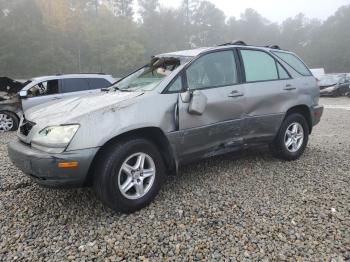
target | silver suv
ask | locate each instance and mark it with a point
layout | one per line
(181, 107)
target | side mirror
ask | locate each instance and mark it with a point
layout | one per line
(186, 96)
(23, 94)
(198, 103)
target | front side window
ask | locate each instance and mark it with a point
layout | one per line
(148, 77)
(294, 62)
(44, 89)
(74, 85)
(212, 70)
(259, 66)
(176, 86)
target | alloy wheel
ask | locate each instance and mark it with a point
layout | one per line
(294, 137)
(136, 176)
(6, 123)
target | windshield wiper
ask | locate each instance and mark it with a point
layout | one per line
(107, 89)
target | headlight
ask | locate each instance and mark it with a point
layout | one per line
(54, 139)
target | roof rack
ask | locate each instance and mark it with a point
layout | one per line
(274, 47)
(238, 42)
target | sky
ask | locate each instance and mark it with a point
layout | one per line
(275, 10)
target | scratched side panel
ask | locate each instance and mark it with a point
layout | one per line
(201, 142)
(265, 107)
(262, 128)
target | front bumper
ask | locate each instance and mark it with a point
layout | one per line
(316, 114)
(43, 167)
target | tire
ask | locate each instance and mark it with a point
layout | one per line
(8, 121)
(279, 147)
(113, 171)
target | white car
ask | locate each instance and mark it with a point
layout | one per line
(46, 89)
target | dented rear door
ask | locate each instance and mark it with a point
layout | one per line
(268, 89)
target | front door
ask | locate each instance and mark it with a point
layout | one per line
(219, 127)
(40, 93)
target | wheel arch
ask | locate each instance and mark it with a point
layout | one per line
(305, 111)
(11, 109)
(153, 134)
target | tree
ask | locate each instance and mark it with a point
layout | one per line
(122, 7)
(253, 29)
(148, 9)
(207, 24)
(40, 37)
(329, 46)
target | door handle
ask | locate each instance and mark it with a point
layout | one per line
(289, 87)
(57, 98)
(235, 93)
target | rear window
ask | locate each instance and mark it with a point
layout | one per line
(294, 62)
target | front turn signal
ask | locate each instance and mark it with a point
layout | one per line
(68, 164)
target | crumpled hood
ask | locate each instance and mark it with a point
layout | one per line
(71, 109)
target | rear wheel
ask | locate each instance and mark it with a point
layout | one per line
(129, 175)
(8, 121)
(292, 138)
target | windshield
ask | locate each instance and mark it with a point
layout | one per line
(148, 77)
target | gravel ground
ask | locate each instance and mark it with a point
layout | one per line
(246, 206)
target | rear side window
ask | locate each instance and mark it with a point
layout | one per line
(294, 62)
(98, 83)
(282, 72)
(259, 66)
(74, 85)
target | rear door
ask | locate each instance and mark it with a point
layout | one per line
(268, 88)
(219, 127)
(75, 87)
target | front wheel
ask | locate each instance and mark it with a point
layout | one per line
(129, 175)
(292, 138)
(8, 121)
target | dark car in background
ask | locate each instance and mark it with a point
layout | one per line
(334, 85)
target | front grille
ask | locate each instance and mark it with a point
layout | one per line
(26, 127)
